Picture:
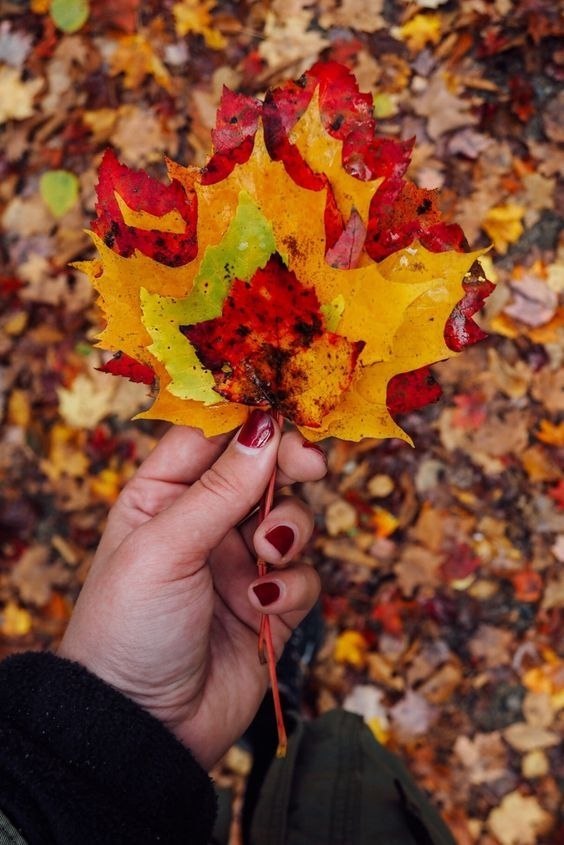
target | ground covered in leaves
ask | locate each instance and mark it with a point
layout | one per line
(442, 566)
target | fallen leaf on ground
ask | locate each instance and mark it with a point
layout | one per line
(519, 820)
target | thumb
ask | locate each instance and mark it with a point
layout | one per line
(199, 519)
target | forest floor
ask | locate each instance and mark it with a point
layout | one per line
(442, 565)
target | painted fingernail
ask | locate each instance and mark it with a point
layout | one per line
(281, 537)
(257, 430)
(315, 448)
(267, 592)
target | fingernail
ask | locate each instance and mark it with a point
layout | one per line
(307, 445)
(257, 430)
(281, 537)
(267, 592)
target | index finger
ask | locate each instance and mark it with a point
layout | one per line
(182, 455)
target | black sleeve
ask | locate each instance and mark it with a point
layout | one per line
(81, 764)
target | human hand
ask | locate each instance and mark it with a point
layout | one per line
(168, 614)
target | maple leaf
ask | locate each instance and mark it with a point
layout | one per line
(503, 225)
(422, 29)
(124, 365)
(135, 58)
(269, 347)
(253, 280)
(16, 96)
(194, 16)
(135, 212)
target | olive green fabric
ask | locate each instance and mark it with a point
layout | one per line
(339, 786)
(8, 833)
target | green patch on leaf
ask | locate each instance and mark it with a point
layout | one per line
(59, 190)
(333, 311)
(246, 246)
(69, 15)
(162, 317)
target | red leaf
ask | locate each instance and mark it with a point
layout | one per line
(347, 115)
(120, 15)
(142, 193)
(9, 287)
(122, 365)
(460, 329)
(460, 563)
(347, 249)
(255, 348)
(528, 585)
(444, 236)
(522, 98)
(237, 119)
(411, 391)
(556, 493)
(233, 137)
(470, 412)
(220, 165)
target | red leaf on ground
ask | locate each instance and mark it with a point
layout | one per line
(123, 15)
(557, 494)
(461, 562)
(528, 585)
(470, 412)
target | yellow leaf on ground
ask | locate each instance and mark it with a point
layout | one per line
(351, 647)
(16, 96)
(422, 29)
(551, 433)
(16, 620)
(106, 485)
(194, 16)
(92, 396)
(384, 522)
(135, 58)
(503, 225)
(519, 820)
(19, 409)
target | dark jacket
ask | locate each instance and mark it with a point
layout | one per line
(81, 764)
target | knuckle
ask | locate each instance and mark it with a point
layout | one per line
(222, 485)
(137, 496)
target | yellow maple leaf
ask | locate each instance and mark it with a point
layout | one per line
(16, 96)
(195, 16)
(423, 286)
(551, 433)
(350, 647)
(136, 59)
(422, 29)
(503, 225)
(367, 323)
(16, 621)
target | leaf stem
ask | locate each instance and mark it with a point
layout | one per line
(265, 647)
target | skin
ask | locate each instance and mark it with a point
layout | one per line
(167, 614)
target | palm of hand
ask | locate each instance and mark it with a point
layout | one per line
(167, 620)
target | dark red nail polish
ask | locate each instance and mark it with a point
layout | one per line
(257, 430)
(281, 537)
(307, 445)
(267, 592)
